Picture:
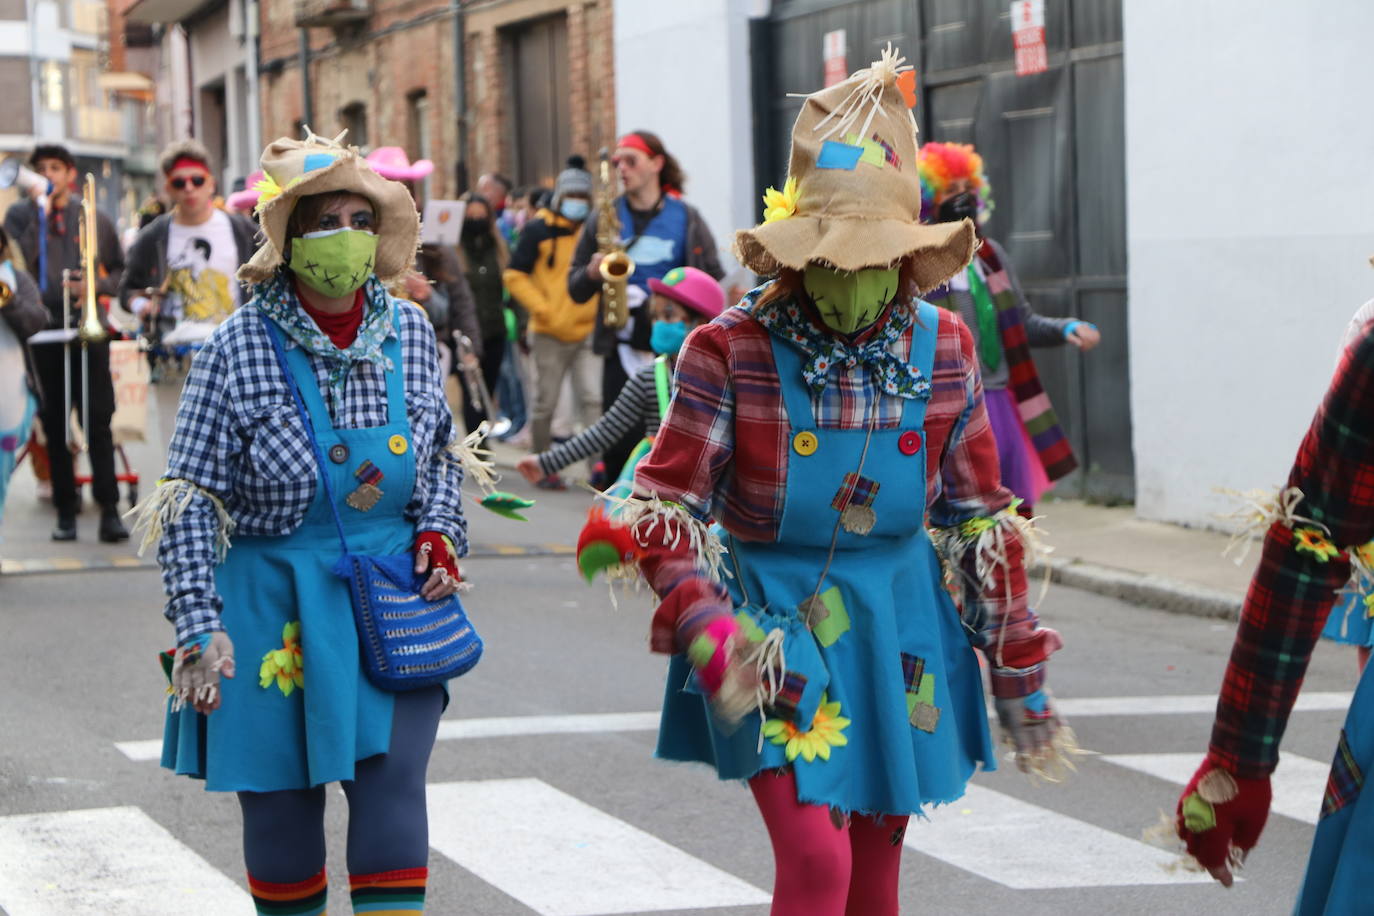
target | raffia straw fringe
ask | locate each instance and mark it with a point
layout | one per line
(651, 517)
(1055, 763)
(989, 548)
(476, 461)
(735, 698)
(1164, 835)
(165, 506)
(769, 662)
(1217, 787)
(1257, 513)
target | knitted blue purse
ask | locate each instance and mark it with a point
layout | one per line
(405, 641)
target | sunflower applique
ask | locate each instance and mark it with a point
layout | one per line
(827, 731)
(284, 665)
(1311, 540)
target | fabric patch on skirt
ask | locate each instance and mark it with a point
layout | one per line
(1344, 784)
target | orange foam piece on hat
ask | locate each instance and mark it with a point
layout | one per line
(906, 82)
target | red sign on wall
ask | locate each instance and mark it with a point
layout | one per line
(833, 53)
(1028, 36)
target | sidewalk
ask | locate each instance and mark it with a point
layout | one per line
(1096, 548)
(1109, 551)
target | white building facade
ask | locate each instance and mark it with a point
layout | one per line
(1249, 234)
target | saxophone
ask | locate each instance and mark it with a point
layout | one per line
(616, 265)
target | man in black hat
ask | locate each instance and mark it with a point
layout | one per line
(47, 254)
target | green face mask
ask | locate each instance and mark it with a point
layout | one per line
(334, 262)
(849, 301)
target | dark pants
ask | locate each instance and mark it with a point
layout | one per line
(613, 378)
(48, 360)
(493, 352)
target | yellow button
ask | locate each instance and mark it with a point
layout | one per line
(805, 443)
(398, 445)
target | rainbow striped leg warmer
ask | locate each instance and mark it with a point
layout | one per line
(304, 898)
(390, 893)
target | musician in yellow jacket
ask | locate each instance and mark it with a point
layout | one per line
(560, 329)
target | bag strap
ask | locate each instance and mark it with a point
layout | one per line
(274, 336)
(661, 385)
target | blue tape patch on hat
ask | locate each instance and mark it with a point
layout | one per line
(315, 161)
(838, 156)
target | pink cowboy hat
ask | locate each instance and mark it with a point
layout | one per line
(692, 288)
(392, 162)
(245, 200)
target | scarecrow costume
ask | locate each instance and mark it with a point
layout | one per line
(1031, 446)
(815, 649)
(1316, 537)
(248, 540)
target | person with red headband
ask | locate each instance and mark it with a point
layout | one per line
(181, 266)
(661, 232)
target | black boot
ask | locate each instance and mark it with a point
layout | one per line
(111, 528)
(66, 527)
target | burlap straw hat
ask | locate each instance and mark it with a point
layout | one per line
(852, 198)
(293, 169)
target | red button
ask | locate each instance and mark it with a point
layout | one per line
(910, 442)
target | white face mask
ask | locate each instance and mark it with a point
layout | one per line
(575, 210)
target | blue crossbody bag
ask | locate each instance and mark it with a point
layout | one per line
(405, 641)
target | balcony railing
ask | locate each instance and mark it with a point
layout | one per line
(97, 125)
(332, 13)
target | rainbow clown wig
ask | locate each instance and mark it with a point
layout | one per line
(941, 163)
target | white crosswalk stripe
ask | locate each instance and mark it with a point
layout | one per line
(523, 726)
(561, 857)
(1298, 783)
(1021, 845)
(107, 862)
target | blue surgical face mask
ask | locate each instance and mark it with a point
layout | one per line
(667, 337)
(575, 210)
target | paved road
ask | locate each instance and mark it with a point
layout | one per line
(544, 794)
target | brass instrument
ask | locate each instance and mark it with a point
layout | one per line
(90, 330)
(6, 294)
(616, 265)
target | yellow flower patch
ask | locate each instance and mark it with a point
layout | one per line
(827, 731)
(780, 204)
(284, 665)
(1311, 540)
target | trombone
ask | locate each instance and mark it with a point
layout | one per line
(90, 330)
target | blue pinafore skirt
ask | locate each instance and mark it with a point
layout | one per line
(268, 733)
(1342, 857)
(882, 709)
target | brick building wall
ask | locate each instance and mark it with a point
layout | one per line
(405, 50)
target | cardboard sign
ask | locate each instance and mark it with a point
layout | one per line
(1028, 36)
(833, 54)
(443, 222)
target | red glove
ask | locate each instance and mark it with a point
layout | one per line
(1220, 818)
(441, 552)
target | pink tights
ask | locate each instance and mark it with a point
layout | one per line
(822, 869)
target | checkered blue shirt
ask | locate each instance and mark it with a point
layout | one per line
(238, 437)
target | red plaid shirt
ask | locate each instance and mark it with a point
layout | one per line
(722, 450)
(1293, 591)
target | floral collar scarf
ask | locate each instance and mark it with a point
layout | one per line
(277, 298)
(822, 350)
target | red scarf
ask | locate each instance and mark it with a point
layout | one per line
(340, 327)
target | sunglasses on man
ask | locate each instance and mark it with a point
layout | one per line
(179, 184)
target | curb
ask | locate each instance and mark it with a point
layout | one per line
(1146, 589)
